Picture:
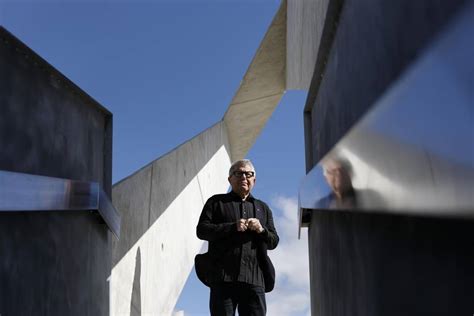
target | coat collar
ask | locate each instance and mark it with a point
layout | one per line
(235, 197)
(258, 211)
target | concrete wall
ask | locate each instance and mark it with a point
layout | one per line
(260, 90)
(373, 43)
(371, 265)
(48, 125)
(380, 264)
(160, 206)
(305, 23)
(53, 263)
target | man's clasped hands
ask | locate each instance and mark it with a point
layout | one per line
(252, 224)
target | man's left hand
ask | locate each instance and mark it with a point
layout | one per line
(254, 225)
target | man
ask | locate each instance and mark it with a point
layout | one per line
(239, 229)
(337, 174)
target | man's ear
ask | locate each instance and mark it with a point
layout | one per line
(228, 179)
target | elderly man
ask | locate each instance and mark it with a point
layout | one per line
(239, 229)
(337, 174)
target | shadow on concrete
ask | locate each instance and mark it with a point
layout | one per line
(136, 300)
(145, 195)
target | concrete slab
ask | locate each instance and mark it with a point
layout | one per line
(132, 200)
(305, 22)
(260, 90)
(245, 122)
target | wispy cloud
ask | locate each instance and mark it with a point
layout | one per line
(291, 294)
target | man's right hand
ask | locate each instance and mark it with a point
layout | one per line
(241, 225)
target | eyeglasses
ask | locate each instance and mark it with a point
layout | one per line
(248, 174)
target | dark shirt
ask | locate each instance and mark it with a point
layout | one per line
(348, 202)
(236, 252)
(250, 271)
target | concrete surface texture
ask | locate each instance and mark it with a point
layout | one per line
(399, 159)
(160, 206)
(374, 42)
(384, 264)
(48, 125)
(305, 22)
(373, 264)
(260, 90)
(53, 263)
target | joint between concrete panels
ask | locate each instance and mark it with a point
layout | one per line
(327, 38)
(149, 196)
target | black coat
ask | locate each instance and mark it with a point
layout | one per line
(217, 224)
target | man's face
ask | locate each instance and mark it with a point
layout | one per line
(241, 183)
(337, 177)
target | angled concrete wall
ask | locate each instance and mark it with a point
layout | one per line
(305, 23)
(160, 206)
(52, 263)
(261, 89)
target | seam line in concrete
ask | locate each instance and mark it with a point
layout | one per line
(328, 36)
(149, 198)
(268, 96)
(200, 189)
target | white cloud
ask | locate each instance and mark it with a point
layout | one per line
(285, 303)
(291, 294)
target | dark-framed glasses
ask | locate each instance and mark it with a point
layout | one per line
(247, 174)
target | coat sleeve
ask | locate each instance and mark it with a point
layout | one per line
(269, 235)
(210, 231)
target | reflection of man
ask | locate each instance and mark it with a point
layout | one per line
(336, 172)
(239, 229)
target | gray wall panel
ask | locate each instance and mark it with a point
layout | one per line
(371, 265)
(374, 42)
(47, 126)
(53, 263)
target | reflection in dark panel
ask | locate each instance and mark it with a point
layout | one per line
(26, 192)
(414, 152)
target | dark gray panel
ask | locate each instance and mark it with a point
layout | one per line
(410, 161)
(53, 263)
(413, 153)
(372, 265)
(374, 42)
(47, 125)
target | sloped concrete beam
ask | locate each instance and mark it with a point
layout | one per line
(260, 90)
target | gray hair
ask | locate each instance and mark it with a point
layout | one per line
(342, 162)
(241, 163)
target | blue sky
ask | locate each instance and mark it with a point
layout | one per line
(167, 70)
